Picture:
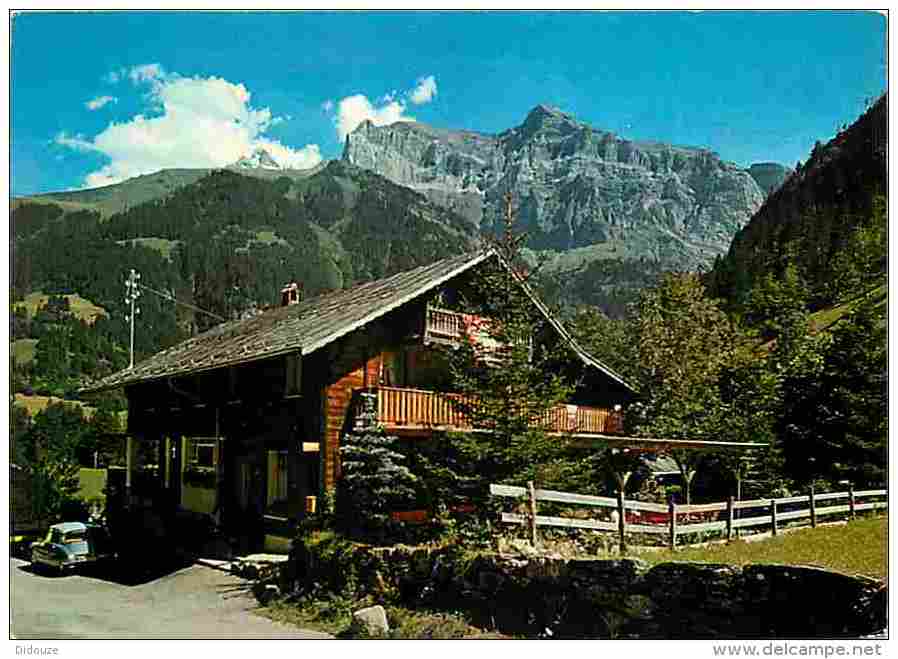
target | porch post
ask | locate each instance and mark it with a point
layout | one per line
(176, 467)
(218, 463)
(130, 466)
(161, 475)
(295, 489)
(164, 460)
(622, 478)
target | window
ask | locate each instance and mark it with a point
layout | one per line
(394, 368)
(201, 452)
(277, 477)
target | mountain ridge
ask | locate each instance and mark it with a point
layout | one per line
(583, 194)
(469, 172)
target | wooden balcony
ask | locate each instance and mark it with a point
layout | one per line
(444, 326)
(416, 412)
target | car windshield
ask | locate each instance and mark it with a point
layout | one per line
(76, 542)
(74, 537)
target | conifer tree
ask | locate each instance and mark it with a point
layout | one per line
(508, 370)
(374, 482)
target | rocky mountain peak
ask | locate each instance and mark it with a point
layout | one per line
(259, 159)
(544, 110)
(578, 188)
(547, 118)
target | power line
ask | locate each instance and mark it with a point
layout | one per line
(176, 301)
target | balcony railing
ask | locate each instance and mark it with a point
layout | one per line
(444, 325)
(414, 410)
(451, 326)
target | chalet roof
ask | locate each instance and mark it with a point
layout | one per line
(307, 326)
(602, 440)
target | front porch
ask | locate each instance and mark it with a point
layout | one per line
(245, 467)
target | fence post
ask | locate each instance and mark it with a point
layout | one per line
(851, 510)
(532, 493)
(621, 521)
(729, 519)
(672, 511)
(773, 516)
(813, 509)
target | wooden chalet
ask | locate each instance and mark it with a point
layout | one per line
(245, 420)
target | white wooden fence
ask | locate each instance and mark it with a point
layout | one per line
(675, 521)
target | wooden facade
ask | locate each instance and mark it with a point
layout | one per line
(291, 409)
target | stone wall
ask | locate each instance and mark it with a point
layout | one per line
(623, 598)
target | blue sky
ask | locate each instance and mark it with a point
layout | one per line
(98, 97)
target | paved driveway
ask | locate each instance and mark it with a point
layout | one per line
(194, 602)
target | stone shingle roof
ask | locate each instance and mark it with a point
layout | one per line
(312, 324)
(306, 326)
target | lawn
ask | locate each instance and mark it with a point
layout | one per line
(22, 351)
(161, 245)
(35, 404)
(81, 307)
(859, 547)
(91, 484)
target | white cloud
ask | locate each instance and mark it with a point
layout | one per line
(146, 72)
(100, 101)
(387, 109)
(76, 142)
(203, 122)
(424, 92)
(353, 110)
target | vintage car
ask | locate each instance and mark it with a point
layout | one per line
(72, 545)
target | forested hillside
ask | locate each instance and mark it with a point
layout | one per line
(225, 244)
(785, 341)
(812, 218)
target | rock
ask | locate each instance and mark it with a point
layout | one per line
(266, 593)
(373, 620)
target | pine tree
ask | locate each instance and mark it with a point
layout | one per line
(374, 482)
(835, 402)
(506, 376)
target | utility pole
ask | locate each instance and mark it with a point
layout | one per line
(132, 292)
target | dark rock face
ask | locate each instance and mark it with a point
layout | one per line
(575, 186)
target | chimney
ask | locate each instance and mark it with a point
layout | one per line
(291, 294)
